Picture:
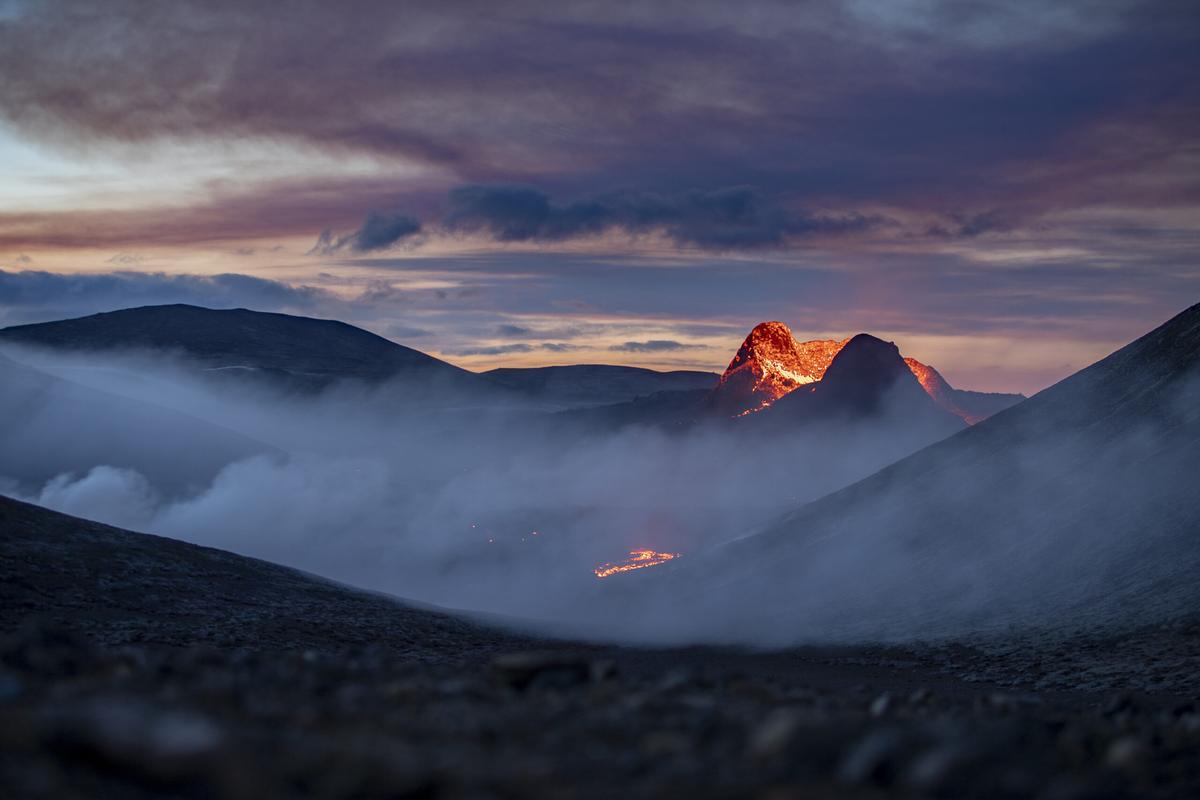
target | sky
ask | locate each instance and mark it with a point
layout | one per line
(1008, 190)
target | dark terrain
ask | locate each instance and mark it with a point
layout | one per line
(1076, 509)
(296, 351)
(866, 379)
(136, 666)
(302, 353)
(598, 384)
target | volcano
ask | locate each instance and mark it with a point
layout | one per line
(771, 364)
(1076, 509)
(971, 407)
(866, 382)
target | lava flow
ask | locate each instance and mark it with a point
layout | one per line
(638, 559)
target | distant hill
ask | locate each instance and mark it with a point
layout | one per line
(583, 385)
(298, 350)
(1076, 508)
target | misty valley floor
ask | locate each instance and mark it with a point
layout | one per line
(135, 666)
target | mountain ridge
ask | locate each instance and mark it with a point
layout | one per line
(306, 350)
(771, 363)
(1032, 504)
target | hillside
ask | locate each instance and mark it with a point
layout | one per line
(299, 350)
(1076, 509)
(583, 385)
(136, 666)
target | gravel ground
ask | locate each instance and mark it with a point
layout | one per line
(135, 666)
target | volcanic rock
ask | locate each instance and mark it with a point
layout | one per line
(972, 407)
(867, 379)
(769, 364)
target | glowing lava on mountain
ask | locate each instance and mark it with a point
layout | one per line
(771, 363)
(942, 392)
(638, 559)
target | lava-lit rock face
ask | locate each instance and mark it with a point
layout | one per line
(942, 392)
(769, 364)
(931, 380)
(972, 407)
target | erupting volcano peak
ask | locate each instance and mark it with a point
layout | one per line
(769, 364)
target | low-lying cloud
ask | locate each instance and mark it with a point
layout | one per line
(375, 487)
(497, 505)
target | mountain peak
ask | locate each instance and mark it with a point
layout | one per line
(769, 364)
(867, 367)
(868, 379)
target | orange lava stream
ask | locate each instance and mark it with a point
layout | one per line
(926, 376)
(638, 559)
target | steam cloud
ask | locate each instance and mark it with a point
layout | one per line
(491, 507)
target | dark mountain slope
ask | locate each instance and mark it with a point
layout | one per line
(866, 378)
(141, 667)
(304, 351)
(1078, 507)
(867, 390)
(120, 587)
(50, 426)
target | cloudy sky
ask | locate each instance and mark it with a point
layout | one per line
(1009, 190)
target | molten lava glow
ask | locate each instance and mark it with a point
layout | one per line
(929, 378)
(771, 363)
(942, 393)
(638, 559)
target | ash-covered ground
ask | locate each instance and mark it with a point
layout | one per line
(136, 666)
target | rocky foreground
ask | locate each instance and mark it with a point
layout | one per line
(135, 666)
